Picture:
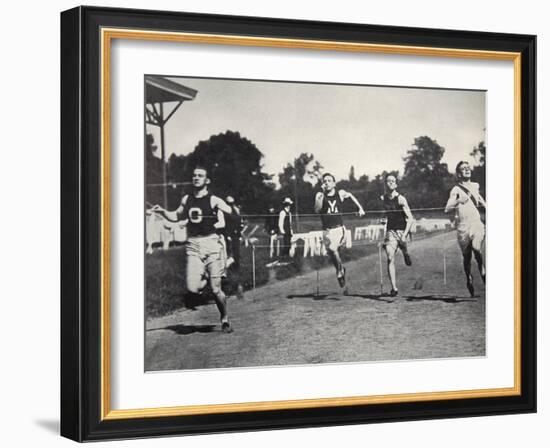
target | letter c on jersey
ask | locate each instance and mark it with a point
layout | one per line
(195, 215)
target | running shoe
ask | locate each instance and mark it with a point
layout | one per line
(342, 278)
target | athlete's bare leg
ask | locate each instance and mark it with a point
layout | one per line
(336, 260)
(390, 253)
(221, 302)
(195, 278)
(467, 263)
(405, 250)
(196, 287)
(480, 264)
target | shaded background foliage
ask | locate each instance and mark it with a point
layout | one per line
(426, 179)
(236, 166)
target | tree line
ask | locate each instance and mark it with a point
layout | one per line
(236, 166)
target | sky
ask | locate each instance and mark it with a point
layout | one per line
(369, 127)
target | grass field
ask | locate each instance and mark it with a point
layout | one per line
(165, 270)
(304, 319)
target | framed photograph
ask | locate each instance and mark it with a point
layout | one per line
(274, 224)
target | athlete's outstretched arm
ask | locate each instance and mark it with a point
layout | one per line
(220, 204)
(348, 195)
(454, 200)
(482, 201)
(318, 202)
(410, 218)
(480, 198)
(220, 223)
(171, 215)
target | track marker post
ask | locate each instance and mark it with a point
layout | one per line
(317, 281)
(445, 266)
(380, 264)
(253, 266)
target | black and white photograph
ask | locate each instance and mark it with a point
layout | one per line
(272, 224)
(296, 223)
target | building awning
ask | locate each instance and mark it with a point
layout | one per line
(162, 90)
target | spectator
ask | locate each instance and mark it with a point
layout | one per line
(285, 230)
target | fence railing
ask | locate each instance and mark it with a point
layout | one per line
(163, 234)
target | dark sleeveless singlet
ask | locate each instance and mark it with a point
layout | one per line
(331, 211)
(201, 216)
(397, 219)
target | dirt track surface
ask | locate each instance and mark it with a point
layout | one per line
(288, 323)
